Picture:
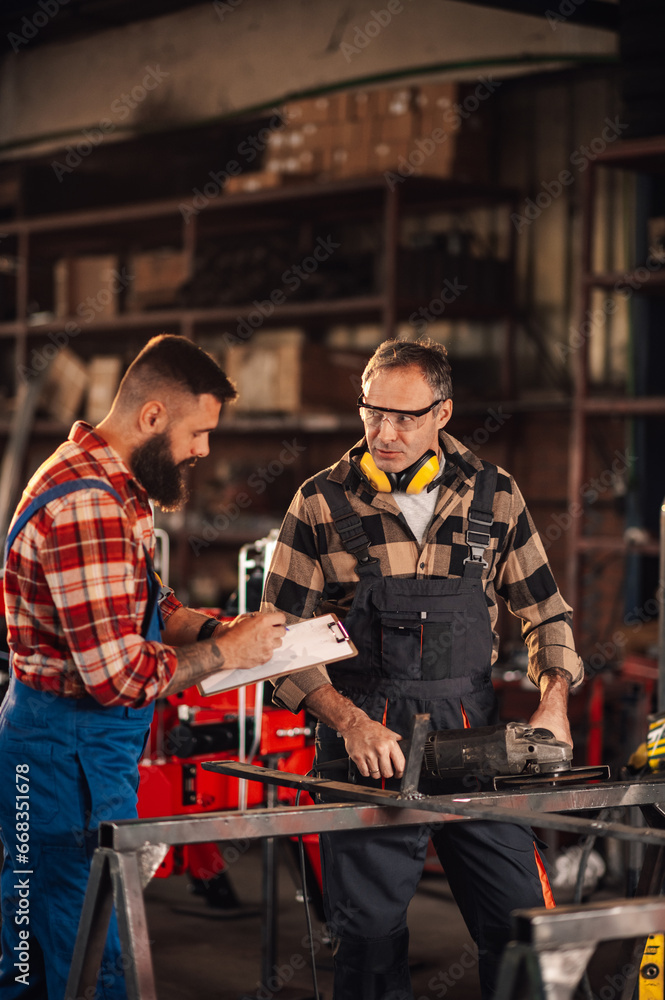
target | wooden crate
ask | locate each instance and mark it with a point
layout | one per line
(278, 372)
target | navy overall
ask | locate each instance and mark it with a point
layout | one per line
(424, 645)
(77, 760)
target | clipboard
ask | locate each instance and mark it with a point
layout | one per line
(306, 644)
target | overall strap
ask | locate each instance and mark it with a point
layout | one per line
(481, 519)
(153, 623)
(61, 490)
(349, 526)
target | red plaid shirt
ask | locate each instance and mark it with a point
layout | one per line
(76, 585)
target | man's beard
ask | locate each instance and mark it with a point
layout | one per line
(164, 480)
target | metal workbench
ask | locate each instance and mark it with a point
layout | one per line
(131, 851)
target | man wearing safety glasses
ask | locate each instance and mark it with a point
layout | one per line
(410, 537)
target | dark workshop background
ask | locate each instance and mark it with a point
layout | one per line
(290, 182)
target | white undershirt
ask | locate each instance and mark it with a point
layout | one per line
(418, 509)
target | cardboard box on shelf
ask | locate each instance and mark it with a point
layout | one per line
(390, 155)
(394, 128)
(434, 99)
(280, 372)
(263, 371)
(349, 149)
(345, 106)
(378, 101)
(258, 180)
(310, 161)
(104, 372)
(310, 109)
(365, 132)
(157, 276)
(359, 105)
(64, 385)
(89, 285)
(400, 101)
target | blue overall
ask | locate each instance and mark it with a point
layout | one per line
(79, 761)
(424, 645)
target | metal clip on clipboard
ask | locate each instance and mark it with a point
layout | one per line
(344, 637)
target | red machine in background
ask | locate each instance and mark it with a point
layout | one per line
(189, 728)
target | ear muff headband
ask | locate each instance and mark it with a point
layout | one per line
(414, 479)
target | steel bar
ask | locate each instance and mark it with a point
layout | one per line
(538, 797)
(132, 925)
(564, 939)
(93, 926)
(286, 822)
(269, 893)
(202, 828)
(368, 808)
(507, 806)
(590, 923)
(419, 729)
(535, 798)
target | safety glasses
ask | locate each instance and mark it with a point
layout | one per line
(403, 421)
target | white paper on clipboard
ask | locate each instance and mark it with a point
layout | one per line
(317, 640)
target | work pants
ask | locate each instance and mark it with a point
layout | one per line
(370, 877)
(80, 762)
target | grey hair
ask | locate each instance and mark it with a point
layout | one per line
(426, 354)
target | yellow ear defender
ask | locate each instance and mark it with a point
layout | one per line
(414, 479)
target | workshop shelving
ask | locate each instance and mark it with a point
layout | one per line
(644, 157)
(384, 282)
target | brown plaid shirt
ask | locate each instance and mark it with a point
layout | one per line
(310, 565)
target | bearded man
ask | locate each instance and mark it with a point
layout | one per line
(95, 639)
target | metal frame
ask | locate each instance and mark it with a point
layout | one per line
(552, 948)
(539, 806)
(130, 851)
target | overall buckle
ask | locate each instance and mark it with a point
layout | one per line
(478, 540)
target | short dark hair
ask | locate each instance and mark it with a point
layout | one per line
(426, 354)
(170, 361)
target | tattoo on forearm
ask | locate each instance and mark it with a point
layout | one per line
(195, 663)
(557, 672)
